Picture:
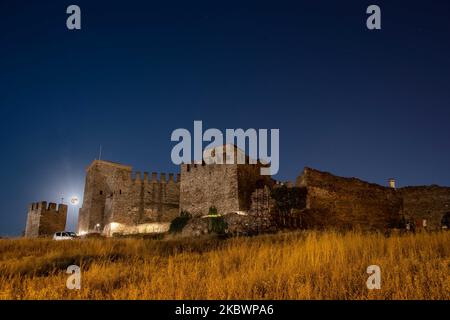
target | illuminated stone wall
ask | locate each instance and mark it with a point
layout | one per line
(44, 220)
(113, 193)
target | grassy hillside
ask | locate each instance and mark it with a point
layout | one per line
(300, 265)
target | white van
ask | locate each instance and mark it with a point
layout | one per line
(64, 235)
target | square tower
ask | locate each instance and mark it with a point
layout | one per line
(228, 187)
(43, 220)
(103, 178)
(115, 197)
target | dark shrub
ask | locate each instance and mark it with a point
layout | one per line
(212, 211)
(289, 198)
(180, 222)
(217, 225)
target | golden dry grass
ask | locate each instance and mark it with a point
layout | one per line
(299, 265)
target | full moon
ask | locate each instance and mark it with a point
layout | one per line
(74, 200)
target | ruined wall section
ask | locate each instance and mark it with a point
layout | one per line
(258, 218)
(349, 202)
(426, 202)
(44, 220)
(249, 180)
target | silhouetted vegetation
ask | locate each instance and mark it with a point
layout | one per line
(217, 225)
(212, 211)
(287, 199)
(180, 222)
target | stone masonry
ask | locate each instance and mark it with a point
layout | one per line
(116, 199)
(44, 220)
(349, 202)
(114, 196)
(228, 187)
(258, 219)
(333, 201)
(428, 203)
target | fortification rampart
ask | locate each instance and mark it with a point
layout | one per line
(228, 187)
(115, 193)
(45, 219)
(204, 186)
(428, 203)
(349, 202)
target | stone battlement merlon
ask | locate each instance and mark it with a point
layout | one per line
(191, 167)
(42, 205)
(45, 219)
(137, 177)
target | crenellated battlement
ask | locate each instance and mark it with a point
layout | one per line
(118, 194)
(225, 180)
(202, 168)
(199, 168)
(44, 219)
(44, 206)
(137, 177)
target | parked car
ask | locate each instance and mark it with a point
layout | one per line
(64, 235)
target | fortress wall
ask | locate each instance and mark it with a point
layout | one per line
(161, 199)
(83, 220)
(250, 179)
(426, 202)
(113, 193)
(258, 219)
(203, 186)
(33, 219)
(153, 196)
(102, 179)
(153, 199)
(124, 206)
(350, 202)
(53, 220)
(44, 220)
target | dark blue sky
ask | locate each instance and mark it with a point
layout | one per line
(371, 104)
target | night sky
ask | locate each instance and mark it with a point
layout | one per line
(370, 104)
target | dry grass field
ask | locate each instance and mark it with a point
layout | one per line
(298, 265)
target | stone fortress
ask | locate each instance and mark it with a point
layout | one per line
(116, 198)
(120, 201)
(44, 220)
